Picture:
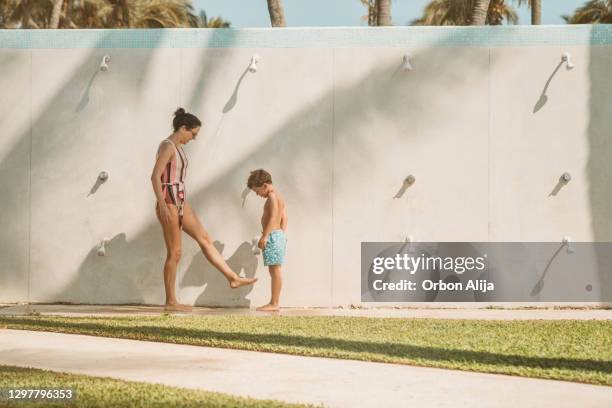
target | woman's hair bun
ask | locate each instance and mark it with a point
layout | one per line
(182, 118)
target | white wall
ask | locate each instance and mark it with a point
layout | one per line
(339, 128)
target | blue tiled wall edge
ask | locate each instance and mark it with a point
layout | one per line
(483, 36)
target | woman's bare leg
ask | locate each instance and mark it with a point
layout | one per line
(194, 228)
(172, 238)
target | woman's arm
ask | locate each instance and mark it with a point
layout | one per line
(164, 153)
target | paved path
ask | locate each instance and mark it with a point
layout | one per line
(334, 383)
(427, 312)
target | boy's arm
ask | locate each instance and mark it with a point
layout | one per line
(271, 209)
(284, 220)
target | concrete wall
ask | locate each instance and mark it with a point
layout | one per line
(334, 119)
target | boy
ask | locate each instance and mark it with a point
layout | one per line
(274, 224)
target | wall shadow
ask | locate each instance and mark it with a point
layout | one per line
(599, 165)
(543, 97)
(108, 279)
(300, 132)
(233, 99)
(58, 132)
(201, 273)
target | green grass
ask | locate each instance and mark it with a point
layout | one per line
(569, 350)
(108, 392)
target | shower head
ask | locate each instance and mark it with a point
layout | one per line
(104, 63)
(253, 64)
(567, 58)
(102, 247)
(406, 65)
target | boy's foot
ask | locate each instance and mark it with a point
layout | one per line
(268, 308)
(238, 282)
(177, 307)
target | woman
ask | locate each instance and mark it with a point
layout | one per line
(174, 212)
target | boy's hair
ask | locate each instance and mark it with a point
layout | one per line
(258, 178)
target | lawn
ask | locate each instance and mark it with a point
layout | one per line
(570, 350)
(111, 393)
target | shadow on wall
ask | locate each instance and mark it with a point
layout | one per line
(200, 272)
(11, 168)
(301, 132)
(233, 99)
(109, 279)
(143, 255)
(132, 271)
(59, 131)
(85, 98)
(599, 166)
(543, 96)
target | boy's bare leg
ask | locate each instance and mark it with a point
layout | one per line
(276, 283)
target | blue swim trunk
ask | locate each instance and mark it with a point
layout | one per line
(276, 245)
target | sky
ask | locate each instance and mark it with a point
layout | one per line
(310, 13)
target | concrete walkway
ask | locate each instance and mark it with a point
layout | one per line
(334, 383)
(426, 312)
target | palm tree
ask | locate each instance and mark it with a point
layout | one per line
(163, 13)
(383, 12)
(98, 14)
(379, 12)
(460, 12)
(480, 12)
(55, 14)
(593, 12)
(18, 13)
(536, 11)
(372, 16)
(215, 22)
(277, 15)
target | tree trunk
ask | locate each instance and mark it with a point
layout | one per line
(277, 16)
(479, 14)
(125, 8)
(25, 16)
(372, 19)
(383, 12)
(55, 14)
(536, 12)
(68, 15)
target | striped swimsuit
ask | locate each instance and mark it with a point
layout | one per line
(173, 180)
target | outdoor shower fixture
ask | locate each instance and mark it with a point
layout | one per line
(567, 57)
(102, 247)
(567, 241)
(254, 242)
(566, 177)
(104, 63)
(406, 65)
(409, 180)
(253, 64)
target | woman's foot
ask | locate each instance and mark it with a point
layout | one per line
(268, 308)
(238, 282)
(177, 307)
